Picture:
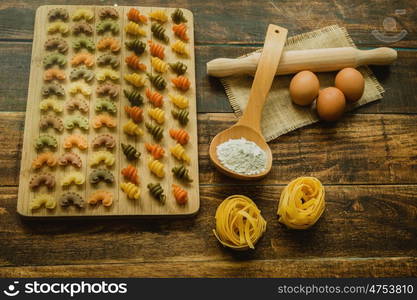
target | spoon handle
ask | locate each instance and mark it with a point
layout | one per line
(267, 66)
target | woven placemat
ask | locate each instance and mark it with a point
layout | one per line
(280, 115)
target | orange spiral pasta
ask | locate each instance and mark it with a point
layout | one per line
(133, 61)
(156, 50)
(47, 158)
(106, 198)
(181, 82)
(83, 58)
(103, 120)
(131, 174)
(180, 195)
(135, 16)
(180, 31)
(109, 42)
(75, 140)
(54, 73)
(155, 98)
(180, 135)
(135, 113)
(155, 150)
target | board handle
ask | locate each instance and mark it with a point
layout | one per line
(315, 60)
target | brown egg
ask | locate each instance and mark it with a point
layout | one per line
(331, 104)
(304, 88)
(350, 81)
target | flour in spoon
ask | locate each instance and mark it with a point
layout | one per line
(242, 156)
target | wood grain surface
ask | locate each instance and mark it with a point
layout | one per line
(367, 162)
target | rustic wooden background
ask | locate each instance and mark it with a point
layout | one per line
(368, 163)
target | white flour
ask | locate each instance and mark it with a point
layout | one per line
(242, 156)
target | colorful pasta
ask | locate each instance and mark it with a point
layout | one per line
(155, 150)
(104, 140)
(80, 88)
(180, 31)
(42, 200)
(75, 140)
(134, 97)
(132, 191)
(77, 104)
(135, 16)
(54, 59)
(179, 100)
(180, 195)
(76, 178)
(58, 27)
(156, 167)
(157, 114)
(156, 190)
(102, 156)
(181, 173)
(58, 14)
(101, 175)
(135, 113)
(82, 72)
(83, 58)
(38, 180)
(54, 73)
(101, 196)
(180, 48)
(108, 12)
(178, 67)
(56, 89)
(130, 128)
(108, 60)
(73, 121)
(157, 81)
(70, 158)
(103, 120)
(83, 43)
(82, 27)
(130, 152)
(108, 25)
(109, 43)
(179, 153)
(181, 115)
(50, 104)
(106, 73)
(156, 131)
(105, 105)
(108, 89)
(83, 13)
(56, 44)
(178, 16)
(45, 141)
(155, 98)
(134, 29)
(71, 198)
(159, 15)
(158, 32)
(136, 46)
(135, 79)
(131, 174)
(51, 121)
(181, 82)
(156, 50)
(45, 158)
(159, 65)
(133, 62)
(180, 135)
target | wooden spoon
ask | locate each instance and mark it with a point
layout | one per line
(249, 125)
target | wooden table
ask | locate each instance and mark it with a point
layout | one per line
(368, 163)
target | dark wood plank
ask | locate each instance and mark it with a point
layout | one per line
(360, 149)
(246, 22)
(287, 268)
(359, 221)
(399, 80)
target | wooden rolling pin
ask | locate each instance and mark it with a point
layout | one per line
(315, 60)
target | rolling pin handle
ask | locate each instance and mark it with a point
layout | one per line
(378, 56)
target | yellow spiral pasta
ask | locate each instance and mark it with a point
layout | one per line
(159, 65)
(80, 88)
(83, 13)
(134, 29)
(50, 103)
(58, 27)
(135, 79)
(179, 101)
(104, 74)
(179, 47)
(132, 191)
(43, 200)
(301, 203)
(156, 167)
(239, 223)
(179, 153)
(157, 114)
(131, 128)
(77, 178)
(102, 156)
(159, 15)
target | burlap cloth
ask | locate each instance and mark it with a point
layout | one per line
(280, 115)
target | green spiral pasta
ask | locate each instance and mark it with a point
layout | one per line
(157, 81)
(136, 46)
(178, 67)
(54, 59)
(158, 31)
(134, 97)
(157, 191)
(105, 105)
(130, 152)
(182, 173)
(181, 115)
(156, 131)
(108, 25)
(83, 42)
(178, 16)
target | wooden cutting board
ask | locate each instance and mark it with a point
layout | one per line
(122, 206)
